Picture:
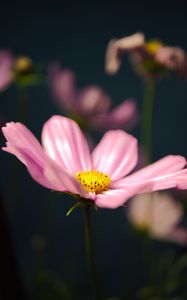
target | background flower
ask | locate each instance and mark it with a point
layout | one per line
(150, 59)
(159, 214)
(18, 69)
(90, 106)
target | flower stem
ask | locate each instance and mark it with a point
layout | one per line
(90, 255)
(147, 118)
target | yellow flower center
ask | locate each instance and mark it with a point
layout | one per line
(153, 46)
(23, 64)
(93, 181)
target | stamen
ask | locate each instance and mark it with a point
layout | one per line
(153, 46)
(93, 181)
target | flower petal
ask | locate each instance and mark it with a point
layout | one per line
(121, 191)
(162, 167)
(93, 101)
(65, 143)
(163, 174)
(159, 212)
(37, 169)
(178, 235)
(22, 143)
(6, 74)
(18, 135)
(69, 182)
(62, 85)
(112, 198)
(122, 116)
(173, 58)
(118, 46)
(116, 154)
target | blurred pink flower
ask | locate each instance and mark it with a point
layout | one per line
(159, 214)
(150, 59)
(65, 163)
(6, 75)
(117, 47)
(90, 106)
(172, 58)
(18, 69)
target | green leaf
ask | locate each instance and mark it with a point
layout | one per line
(78, 204)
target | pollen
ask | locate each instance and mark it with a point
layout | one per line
(93, 181)
(153, 46)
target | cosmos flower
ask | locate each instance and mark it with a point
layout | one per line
(64, 163)
(18, 69)
(159, 214)
(91, 106)
(150, 59)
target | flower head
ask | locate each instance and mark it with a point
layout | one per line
(150, 59)
(64, 163)
(18, 69)
(90, 106)
(159, 214)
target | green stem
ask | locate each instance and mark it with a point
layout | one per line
(147, 118)
(90, 255)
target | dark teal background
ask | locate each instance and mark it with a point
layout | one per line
(76, 34)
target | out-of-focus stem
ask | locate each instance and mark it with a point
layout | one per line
(90, 255)
(147, 118)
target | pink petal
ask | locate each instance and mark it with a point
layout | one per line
(65, 143)
(159, 212)
(93, 101)
(62, 85)
(66, 180)
(112, 198)
(124, 115)
(18, 135)
(49, 175)
(175, 180)
(22, 143)
(173, 58)
(118, 46)
(178, 235)
(163, 167)
(116, 154)
(37, 169)
(6, 74)
(164, 174)
(132, 187)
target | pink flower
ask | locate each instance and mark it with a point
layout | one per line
(6, 75)
(150, 59)
(90, 106)
(64, 163)
(160, 215)
(172, 58)
(117, 47)
(16, 69)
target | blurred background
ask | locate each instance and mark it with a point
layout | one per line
(43, 252)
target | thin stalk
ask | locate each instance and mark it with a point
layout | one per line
(147, 118)
(90, 255)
